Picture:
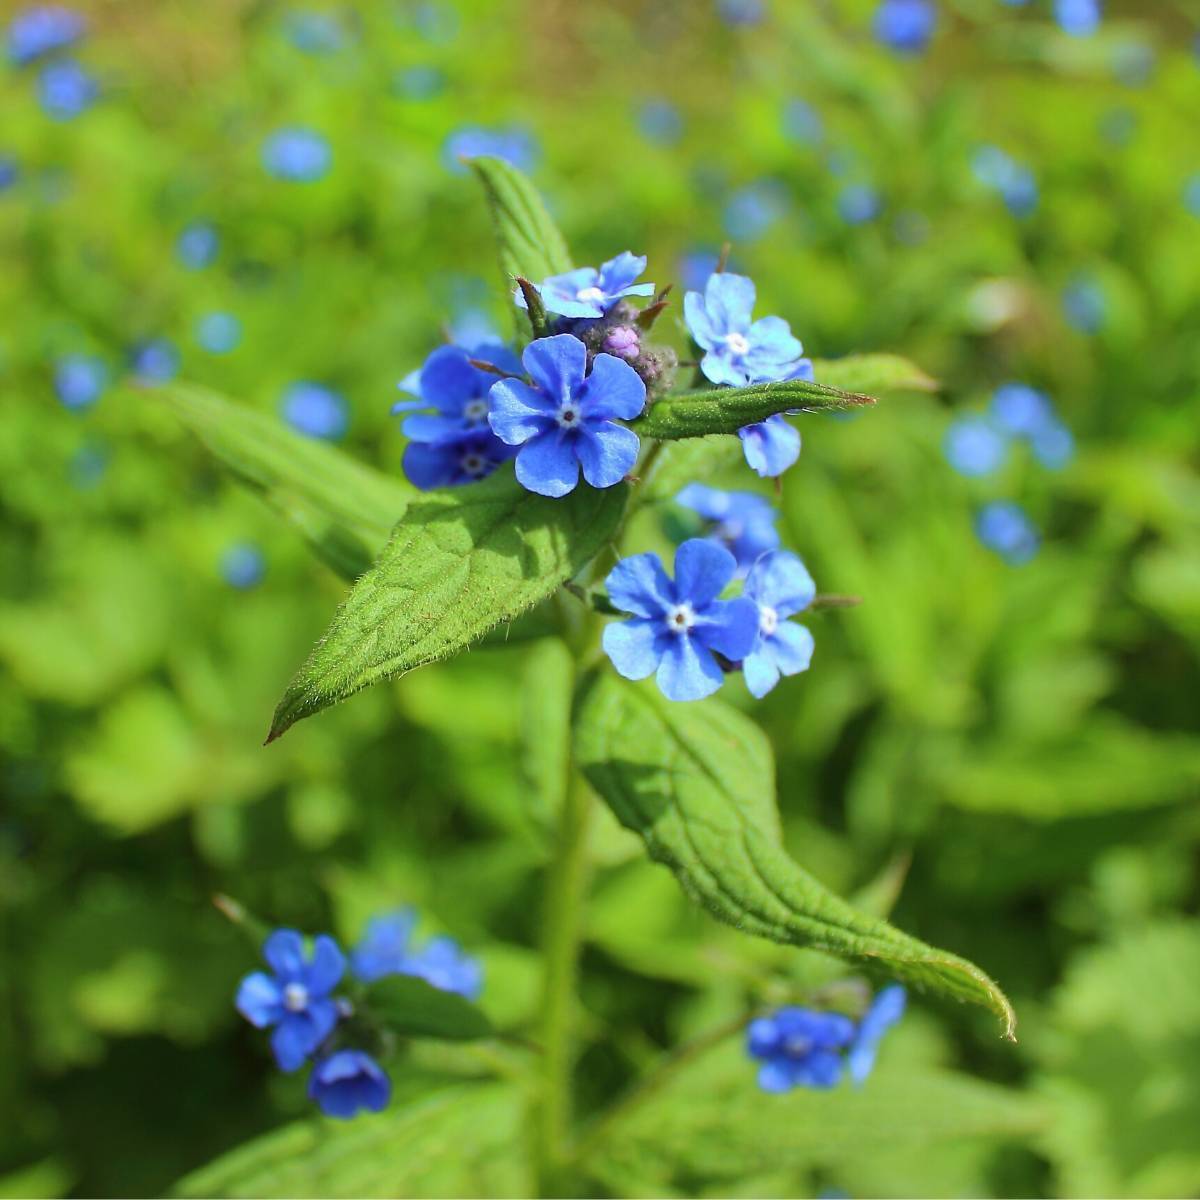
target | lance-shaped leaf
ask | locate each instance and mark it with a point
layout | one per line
(529, 242)
(414, 1008)
(696, 781)
(344, 509)
(726, 410)
(458, 564)
(873, 373)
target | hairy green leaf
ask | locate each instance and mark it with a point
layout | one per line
(873, 373)
(696, 781)
(726, 410)
(529, 242)
(344, 509)
(413, 1008)
(454, 1141)
(460, 562)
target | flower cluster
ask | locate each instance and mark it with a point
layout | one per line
(44, 33)
(296, 1000)
(800, 1047)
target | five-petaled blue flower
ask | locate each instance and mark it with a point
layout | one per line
(65, 89)
(742, 522)
(1077, 17)
(676, 626)
(780, 585)
(591, 292)
(296, 998)
(315, 410)
(79, 380)
(35, 32)
(297, 155)
(387, 950)
(799, 1048)
(347, 1082)
(886, 1009)
(974, 446)
(905, 25)
(567, 419)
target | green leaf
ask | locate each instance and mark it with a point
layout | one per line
(726, 410)
(454, 1141)
(414, 1008)
(344, 509)
(696, 781)
(873, 373)
(530, 243)
(458, 564)
(680, 463)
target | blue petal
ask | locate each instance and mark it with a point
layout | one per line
(429, 427)
(467, 459)
(292, 1042)
(284, 952)
(821, 1069)
(547, 464)
(771, 446)
(607, 452)
(448, 380)
(698, 322)
(639, 585)
(517, 412)
(687, 671)
(560, 293)
(760, 672)
(702, 571)
(618, 273)
(634, 646)
(729, 627)
(772, 343)
(499, 355)
(259, 1000)
(327, 967)
(791, 646)
(776, 1076)
(557, 365)
(719, 368)
(781, 581)
(729, 300)
(613, 389)
(762, 1037)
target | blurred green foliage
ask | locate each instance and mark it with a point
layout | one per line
(1029, 736)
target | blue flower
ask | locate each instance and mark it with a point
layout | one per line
(1077, 17)
(858, 203)
(677, 626)
(738, 350)
(802, 123)
(514, 145)
(588, 292)
(197, 245)
(297, 155)
(347, 1082)
(1015, 183)
(35, 32)
(886, 1009)
(1020, 409)
(780, 585)
(89, 464)
(905, 25)
(296, 997)
(443, 964)
(799, 1048)
(65, 89)
(1084, 305)
(243, 566)
(419, 82)
(387, 950)
(453, 462)
(771, 446)
(1053, 445)
(1004, 527)
(567, 419)
(695, 267)
(660, 122)
(752, 211)
(975, 447)
(314, 32)
(10, 172)
(79, 380)
(218, 332)
(313, 409)
(154, 361)
(1191, 195)
(741, 12)
(384, 949)
(742, 522)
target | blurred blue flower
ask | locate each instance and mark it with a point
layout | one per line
(9, 172)
(88, 465)
(79, 379)
(197, 245)
(348, 1082)
(741, 12)
(742, 522)
(316, 410)
(443, 964)
(314, 32)
(974, 446)
(1085, 305)
(752, 210)
(886, 1009)
(905, 25)
(695, 267)
(34, 32)
(1020, 409)
(660, 121)
(65, 89)
(802, 123)
(591, 292)
(387, 949)
(1053, 445)
(296, 997)
(779, 583)
(858, 203)
(218, 332)
(567, 420)
(1133, 63)
(385, 946)
(155, 360)
(297, 155)
(434, 20)
(243, 565)
(419, 82)
(676, 626)
(514, 145)
(1004, 527)
(799, 1048)
(1077, 17)
(1191, 195)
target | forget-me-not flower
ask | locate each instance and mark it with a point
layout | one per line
(10, 172)
(660, 121)
(591, 292)
(296, 997)
(514, 145)
(780, 585)
(905, 25)
(1020, 409)
(567, 418)
(858, 203)
(1084, 304)
(35, 32)
(799, 1048)
(886, 1009)
(1077, 17)
(65, 89)
(155, 360)
(197, 245)
(387, 949)
(741, 12)
(752, 210)
(315, 410)
(742, 522)
(1053, 445)
(243, 566)
(348, 1082)
(218, 332)
(79, 380)
(1014, 182)
(1004, 527)
(975, 447)
(677, 625)
(297, 155)
(771, 446)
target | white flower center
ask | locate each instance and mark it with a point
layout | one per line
(590, 295)
(768, 620)
(472, 464)
(680, 618)
(475, 410)
(295, 997)
(738, 343)
(568, 414)
(797, 1046)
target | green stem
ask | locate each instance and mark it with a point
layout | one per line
(564, 898)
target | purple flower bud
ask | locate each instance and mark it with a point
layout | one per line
(623, 341)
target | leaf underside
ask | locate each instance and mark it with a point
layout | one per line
(696, 782)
